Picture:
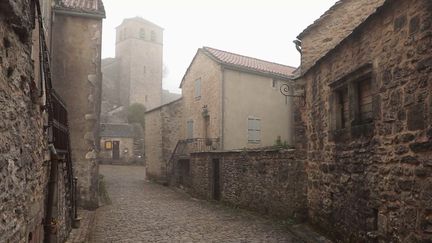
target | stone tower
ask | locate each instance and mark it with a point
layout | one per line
(139, 48)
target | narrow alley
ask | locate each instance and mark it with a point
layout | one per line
(145, 212)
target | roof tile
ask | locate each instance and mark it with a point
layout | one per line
(241, 61)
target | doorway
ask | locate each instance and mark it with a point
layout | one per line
(116, 150)
(216, 179)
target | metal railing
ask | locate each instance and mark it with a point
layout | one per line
(58, 139)
(185, 147)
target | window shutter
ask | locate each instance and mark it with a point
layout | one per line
(197, 88)
(190, 129)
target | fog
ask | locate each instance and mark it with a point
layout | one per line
(260, 29)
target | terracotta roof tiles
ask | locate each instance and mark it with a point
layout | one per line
(250, 63)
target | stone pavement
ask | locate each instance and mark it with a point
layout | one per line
(81, 234)
(145, 212)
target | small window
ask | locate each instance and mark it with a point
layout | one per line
(274, 82)
(108, 145)
(142, 34)
(190, 129)
(364, 101)
(342, 108)
(153, 36)
(197, 88)
(254, 130)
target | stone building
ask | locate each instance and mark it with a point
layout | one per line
(36, 176)
(135, 74)
(76, 59)
(368, 114)
(118, 143)
(214, 116)
(164, 127)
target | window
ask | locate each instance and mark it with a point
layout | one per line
(364, 101)
(142, 34)
(153, 36)
(190, 129)
(198, 88)
(254, 130)
(342, 108)
(352, 101)
(274, 82)
(108, 145)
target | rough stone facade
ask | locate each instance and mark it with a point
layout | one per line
(163, 129)
(25, 161)
(23, 176)
(271, 182)
(334, 26)
(77, 78)
(371, 181)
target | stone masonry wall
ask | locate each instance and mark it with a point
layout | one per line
(372, 182)
(76, 66)
(23, 176)
(153, 144)
(333, 28)
(209, 71)
(164, 127)
(270, 182)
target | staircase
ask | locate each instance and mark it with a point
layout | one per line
(183, 150)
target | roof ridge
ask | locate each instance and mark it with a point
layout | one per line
(207, 47)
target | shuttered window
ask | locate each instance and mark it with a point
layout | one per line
(198, 88)
(254, 130)
(343, 108)
(365, 100)
(190, 129)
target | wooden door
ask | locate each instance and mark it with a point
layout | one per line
(116, 150)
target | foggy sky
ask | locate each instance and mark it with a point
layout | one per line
(260, 29)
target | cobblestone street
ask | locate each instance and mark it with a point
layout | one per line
(145, 212)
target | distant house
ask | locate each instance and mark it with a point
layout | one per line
(229, 102)
(236, 100)
(118, 143)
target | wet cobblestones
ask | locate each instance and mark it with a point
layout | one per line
(145, 212)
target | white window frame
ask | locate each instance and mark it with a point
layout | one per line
(254, 133)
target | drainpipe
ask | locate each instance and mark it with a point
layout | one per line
(49, 220)
(222, 108)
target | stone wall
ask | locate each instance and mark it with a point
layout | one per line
(23, 176)
(333, 27)
(77, 78)
(126, 150)
(271, 182)
(140, 60)
(210, 73)
(372, 181)
(163, 129)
